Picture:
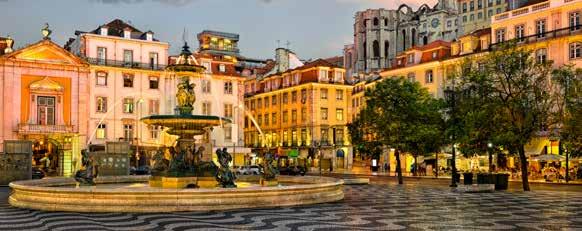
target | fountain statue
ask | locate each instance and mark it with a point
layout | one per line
(89, 170)
(188, 166)
(225, 176)
(269, 171)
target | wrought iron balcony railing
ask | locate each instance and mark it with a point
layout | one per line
(43, 129)
(124, 64)
(568, 31)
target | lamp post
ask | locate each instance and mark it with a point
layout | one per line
(450, 95)
(139, 102)
(489, 146)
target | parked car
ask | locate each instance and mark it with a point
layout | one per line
(141, 170)
(293, 170)
(247, 170)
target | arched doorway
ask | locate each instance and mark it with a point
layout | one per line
(46, 156)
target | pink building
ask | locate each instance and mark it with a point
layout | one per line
(44, 92)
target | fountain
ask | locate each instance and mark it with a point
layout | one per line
(188, 181)
(189, 167)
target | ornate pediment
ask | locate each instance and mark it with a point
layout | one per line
(46, 51)
(46, 84)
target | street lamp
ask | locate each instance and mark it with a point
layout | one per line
(489, 146)
(450, 96)
(140, 101)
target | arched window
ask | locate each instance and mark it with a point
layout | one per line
(386, 48)
(375, 21)
(385, 22)
(413, 37)
(425, 40)
(403, 40)
(376, 48)
(365, 50)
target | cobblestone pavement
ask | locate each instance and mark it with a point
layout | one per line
(365, 207)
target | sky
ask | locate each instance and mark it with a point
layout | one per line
(314, 28)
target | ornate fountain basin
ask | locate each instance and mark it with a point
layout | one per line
(185, 124)
(60, 194)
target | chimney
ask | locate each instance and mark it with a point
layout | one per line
(104, 30)
(282, 59)
(150, 36)
(127, 33)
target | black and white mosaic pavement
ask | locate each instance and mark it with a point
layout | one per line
(365, 207)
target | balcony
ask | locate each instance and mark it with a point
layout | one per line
(124, 64)
(568, 31)
(44, 129)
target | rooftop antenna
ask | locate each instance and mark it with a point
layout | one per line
(288, 44)
(184, 35)
(278, 43)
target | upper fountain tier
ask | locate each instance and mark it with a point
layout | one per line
(183, 123)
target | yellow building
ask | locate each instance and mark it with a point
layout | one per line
(293, 111)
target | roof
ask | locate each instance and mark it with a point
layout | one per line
(117, 28)
(315, 63)
(221, 34)
(478, 33)
(337, 60)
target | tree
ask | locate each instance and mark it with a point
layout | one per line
(404, 116)
(569, 112)
(515, 87)
(362, 139)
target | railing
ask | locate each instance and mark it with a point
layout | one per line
(37, 128)
(217, 48)
(124, 64)
(568, 31)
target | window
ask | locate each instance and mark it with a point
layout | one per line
(303, 114)
(207, 66)
(266, 100)
(101, 132)
(500, 34)
(428, 78)
(472, 6)
(449, 23)
(324, 135)
(324, 113)
(480, 15)
(285, 97)
(259, 103)
(128, 132)
(274, 118)
(435, 54)
(541, 55)
(154, 132)
(498, 2)
(296, 78)
(154, 82)
(154, 106)
(101, 55)
(375, 21)
(498, 11)
(489, 3)
(541, 28)
(323, 75)
(479, 4)
(376, 48)
(294, 116)
(222, 68)
(294, 138)
(411, 77)
(339, 114)
(464, 18)
(228, 87)
(519, 32)
(304, 136)
(303, 95)
(228, 133)
(207, 108)
(490, 13)
(464, 7)
(472, 17)
(260, 120)
(266, 119)
(128, 105)
(285, 116)
(575, 50)
(153, 60)
(206, 86)
(101, 78)
(46, 110)
(127, 57)
(339, 94)
(274, 100)
(574, 21)
(294, 96)
(101, 104)
(323, 93)
(228, 110)
(339, 136)
(410, 58)
(127, 80)
(253, 104)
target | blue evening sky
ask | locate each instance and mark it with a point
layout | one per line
(315, 28)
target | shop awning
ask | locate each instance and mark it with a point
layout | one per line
(293, 153)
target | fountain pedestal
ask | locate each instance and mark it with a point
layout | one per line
(269, 183)
(182, 182)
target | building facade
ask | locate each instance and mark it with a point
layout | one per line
(44, 91)
(293, 111)
(380, 34)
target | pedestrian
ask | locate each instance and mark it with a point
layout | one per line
(385, 167)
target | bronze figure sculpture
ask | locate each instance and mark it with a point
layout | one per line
(89, 170)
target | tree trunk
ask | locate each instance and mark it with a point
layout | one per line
(398, 168)
(490, 161)
(524, 166)
(416, 165)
